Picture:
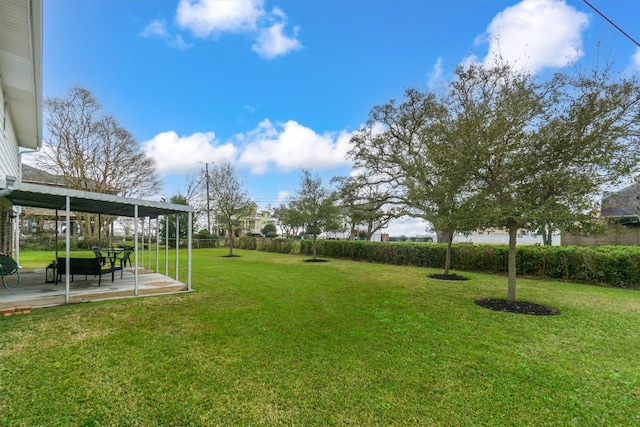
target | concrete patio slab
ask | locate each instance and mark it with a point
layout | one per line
(35, 292)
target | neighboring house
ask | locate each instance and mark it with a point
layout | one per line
(39, 220)
(38, 176)
(255, 223)
(620, 209)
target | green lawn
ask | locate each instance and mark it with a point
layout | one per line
(268, 339)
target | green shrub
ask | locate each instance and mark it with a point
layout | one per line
(617, 266)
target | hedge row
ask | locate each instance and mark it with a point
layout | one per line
(282, 246)
(617, 266)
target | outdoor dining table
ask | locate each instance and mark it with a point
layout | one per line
(112, 253)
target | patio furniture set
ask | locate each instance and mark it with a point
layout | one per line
(106, 261)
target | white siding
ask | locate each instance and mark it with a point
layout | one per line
(8, 145)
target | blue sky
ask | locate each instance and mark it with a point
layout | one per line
(273, 86)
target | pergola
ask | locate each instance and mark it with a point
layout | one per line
(68, 200)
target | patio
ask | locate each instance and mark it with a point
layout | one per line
(35, 292)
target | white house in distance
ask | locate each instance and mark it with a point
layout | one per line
(255, 223)
(21, 132)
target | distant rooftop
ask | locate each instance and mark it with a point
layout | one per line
(37, 176)
(622, 203)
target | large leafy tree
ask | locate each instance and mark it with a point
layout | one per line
(366, 204)
(93, 152)
(498, 148)
(315, 206)
(229, 200)
(543, 151)
(412, 148)
(289, 220)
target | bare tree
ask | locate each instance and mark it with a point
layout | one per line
(93, 152)
(229, 200)
(315, 206)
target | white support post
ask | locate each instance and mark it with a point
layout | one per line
(189, 241)
(149, 251)
(157, 244)
(67, 261)
(166, 246)
(135, 249)
(16, 253)
(177, 243)
(142, 233)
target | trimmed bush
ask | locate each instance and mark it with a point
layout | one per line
(617, 266)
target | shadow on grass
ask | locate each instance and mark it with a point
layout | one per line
(447, 277)
(316, 260)
(518, 307)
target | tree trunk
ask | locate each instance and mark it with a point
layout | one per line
(447, 259)
(547, 236)
(315, 238)
(231, 239)
(442, 236)
(511, 289)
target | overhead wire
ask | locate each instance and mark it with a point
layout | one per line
(612, 23)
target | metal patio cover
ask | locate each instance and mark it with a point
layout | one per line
(45, 196)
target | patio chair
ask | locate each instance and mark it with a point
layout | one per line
(96, 250)
(8, 267)
(126, 257)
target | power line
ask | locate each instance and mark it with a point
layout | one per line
(612, 23)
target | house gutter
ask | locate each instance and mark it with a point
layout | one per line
(11, 180)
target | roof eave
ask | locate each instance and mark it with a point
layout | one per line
(22, 70)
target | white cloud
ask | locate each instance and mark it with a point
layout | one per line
(435, 77)
(158, 29)
(291, 146)
(283, 196)
(175, 154)
(269, 147)
(207, 17)
(635, 59)
(272, 42)
(211, 18)
(535, 34)
(407, 226)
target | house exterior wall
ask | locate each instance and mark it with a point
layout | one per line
(8, 144)
(9, 159)
(254, 224)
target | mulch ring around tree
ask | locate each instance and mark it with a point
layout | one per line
(518, 307)
(447, 277)
(316, 260)
(229, 256)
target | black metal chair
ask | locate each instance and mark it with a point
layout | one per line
(96, 250)
(126, 257)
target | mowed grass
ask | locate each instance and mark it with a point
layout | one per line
(268, 339)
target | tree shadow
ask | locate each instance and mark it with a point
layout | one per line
(518, 307)
(447, 277)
